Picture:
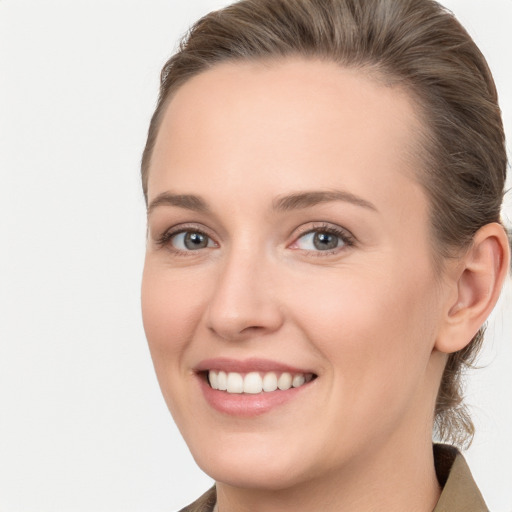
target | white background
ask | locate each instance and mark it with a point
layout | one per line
(82, 424)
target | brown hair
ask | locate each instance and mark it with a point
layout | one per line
(416, 44)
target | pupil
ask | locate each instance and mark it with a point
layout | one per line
(195, 241)
(325, 241)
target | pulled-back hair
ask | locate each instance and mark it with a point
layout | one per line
(417, 45)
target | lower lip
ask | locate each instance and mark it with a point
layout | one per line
(245, 404)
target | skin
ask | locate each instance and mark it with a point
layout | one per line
(367, 317)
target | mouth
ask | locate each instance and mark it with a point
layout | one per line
(251, 387)
(256, 382)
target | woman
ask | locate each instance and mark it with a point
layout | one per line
(324, 181)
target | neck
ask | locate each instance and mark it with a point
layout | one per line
(386, 480)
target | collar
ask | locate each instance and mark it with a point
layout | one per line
(460, 493)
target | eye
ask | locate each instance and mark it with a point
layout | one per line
(323, 239)
(318, 241)
(190, 240)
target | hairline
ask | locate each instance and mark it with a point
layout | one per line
(419, 155)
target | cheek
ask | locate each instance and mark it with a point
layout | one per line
(376, 342)
(171, 306)
(375, 331)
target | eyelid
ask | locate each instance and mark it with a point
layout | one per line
(165, 238)
(347, 238)
(344, 234)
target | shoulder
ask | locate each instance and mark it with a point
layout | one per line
(204, 504)
(460, 492)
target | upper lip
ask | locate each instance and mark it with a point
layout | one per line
(246, 365)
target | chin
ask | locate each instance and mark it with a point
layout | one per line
(254, 468)
(248, 476)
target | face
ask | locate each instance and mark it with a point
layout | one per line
(288, 245)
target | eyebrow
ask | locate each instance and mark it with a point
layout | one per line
(295, 201)
(187, 201)
(306, 199)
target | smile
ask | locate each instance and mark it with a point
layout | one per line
(252, 387)
(256, 382)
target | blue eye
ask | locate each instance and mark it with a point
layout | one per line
(191, 241)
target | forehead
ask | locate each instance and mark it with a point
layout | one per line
(295, 122)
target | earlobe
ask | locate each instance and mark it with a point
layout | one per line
(477, 285)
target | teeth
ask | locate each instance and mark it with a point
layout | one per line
(256, 382)
(253, 383)
(285, 381)
(222, 381)
(213, 377)
(235, 383)
(298, 380)
(270, 382)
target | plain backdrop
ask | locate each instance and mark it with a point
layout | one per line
(83, 426)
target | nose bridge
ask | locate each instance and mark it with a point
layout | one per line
(243, 301)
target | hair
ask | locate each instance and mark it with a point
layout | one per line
(417, 45)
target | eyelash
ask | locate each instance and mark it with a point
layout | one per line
(166, 238)
(347, 239)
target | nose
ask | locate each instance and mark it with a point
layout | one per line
(244, 302)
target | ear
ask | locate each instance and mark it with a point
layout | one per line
(476, 282)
